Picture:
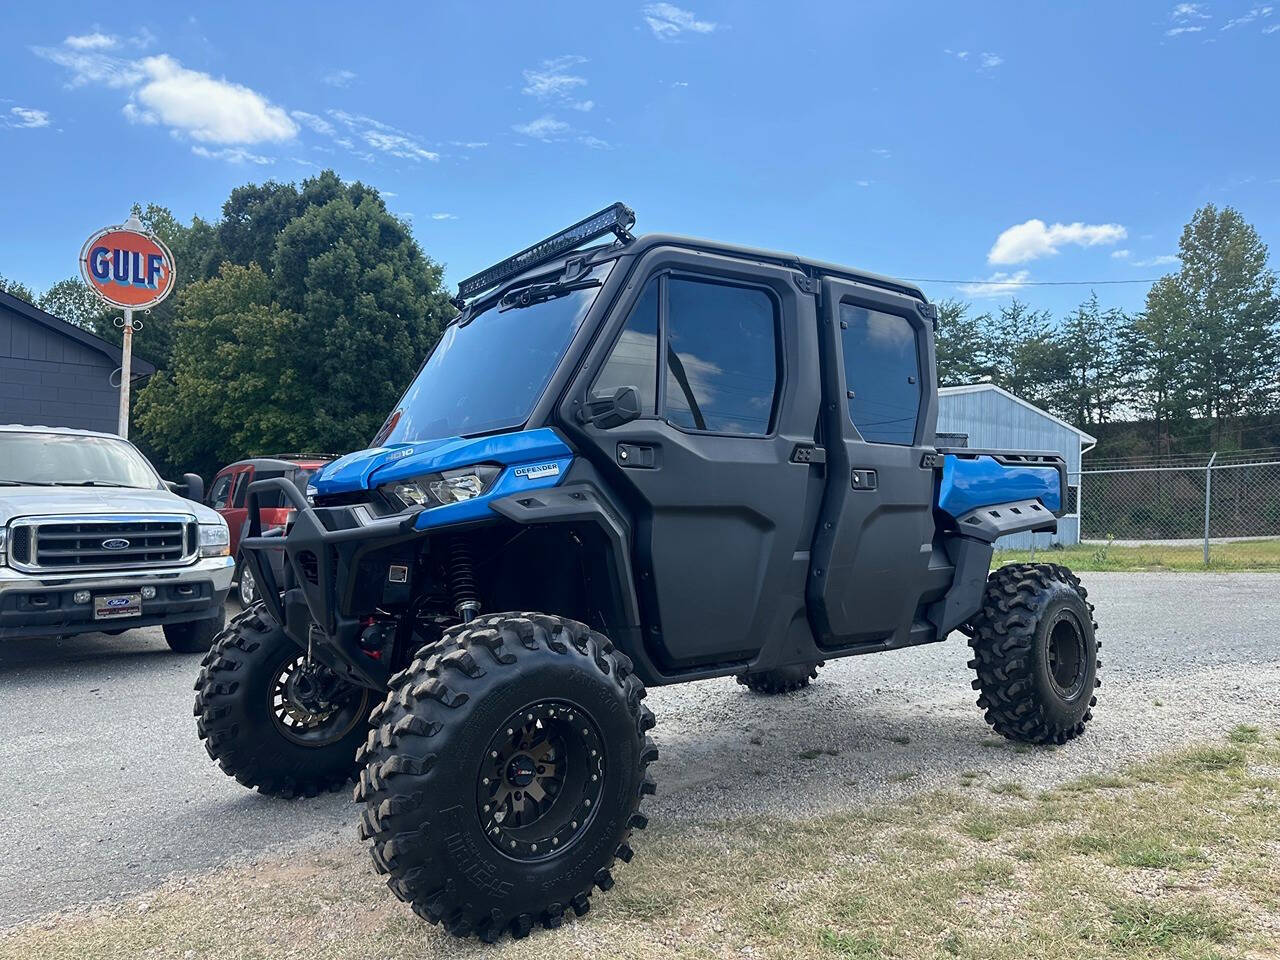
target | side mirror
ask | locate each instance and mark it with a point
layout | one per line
(609, 412)
(195, 487)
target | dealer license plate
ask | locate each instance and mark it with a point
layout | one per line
(117, 605)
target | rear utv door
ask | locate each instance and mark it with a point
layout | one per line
(872, 548)
(722, 354)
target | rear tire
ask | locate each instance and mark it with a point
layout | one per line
(1035, 653)
(780, 680)
(505, 774)
(194, 636)
(261, 721)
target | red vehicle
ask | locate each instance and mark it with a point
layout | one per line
(227, 496)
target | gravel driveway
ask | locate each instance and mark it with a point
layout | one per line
(105, 788)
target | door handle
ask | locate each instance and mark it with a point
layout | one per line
(637, 456)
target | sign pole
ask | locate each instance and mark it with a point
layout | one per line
(126, 363)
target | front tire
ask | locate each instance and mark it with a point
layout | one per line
(781, 679)
(271, 720)
(246, 586)
(505, 774)
(1035, 653)
(194, 636)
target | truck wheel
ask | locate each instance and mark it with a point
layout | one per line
(1035, 653)
(194, 636)
(781, 680)
(271, 720)
(246, 586)
(505, 774)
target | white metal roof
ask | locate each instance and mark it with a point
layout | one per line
(981, 387)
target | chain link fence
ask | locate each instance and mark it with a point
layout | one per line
(1226, 506)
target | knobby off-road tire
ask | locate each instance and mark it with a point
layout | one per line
(256, 732)
(780, 680)
(450, 740)
(1035, 653)
(194, 636)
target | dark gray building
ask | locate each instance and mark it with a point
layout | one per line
(55, 374)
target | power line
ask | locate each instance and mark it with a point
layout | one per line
(1024, 283)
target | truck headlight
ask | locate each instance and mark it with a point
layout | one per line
(215, 540)
(440, 489)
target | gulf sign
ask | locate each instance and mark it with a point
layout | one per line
(127, 268)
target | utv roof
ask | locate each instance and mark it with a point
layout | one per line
(618, 220)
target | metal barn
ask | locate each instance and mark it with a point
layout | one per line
(994, 418)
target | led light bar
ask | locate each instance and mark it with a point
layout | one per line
(616, 219)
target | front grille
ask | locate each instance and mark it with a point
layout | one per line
(20, 545)
(103, 543)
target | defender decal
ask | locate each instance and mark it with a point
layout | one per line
(535, 471)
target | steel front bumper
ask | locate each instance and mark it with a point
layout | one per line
(41, 605)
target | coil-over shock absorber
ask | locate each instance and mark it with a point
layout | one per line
(462, 580)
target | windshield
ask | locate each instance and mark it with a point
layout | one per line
(487, 375)
(46, 459)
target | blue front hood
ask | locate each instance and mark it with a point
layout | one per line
(366, 469)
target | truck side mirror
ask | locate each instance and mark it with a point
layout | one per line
(609, 412)
(195, 487)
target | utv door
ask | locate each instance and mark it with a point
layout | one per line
(872, 549)
(722, 355)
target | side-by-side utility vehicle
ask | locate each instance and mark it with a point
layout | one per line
(638, 462)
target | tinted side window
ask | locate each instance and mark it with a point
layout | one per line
(633, 362)
(242, 484)
(221, 492)
(882, 374)
(722, 357)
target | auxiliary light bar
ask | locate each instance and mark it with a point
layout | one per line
(616, 219)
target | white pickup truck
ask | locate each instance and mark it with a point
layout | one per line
(91, 539)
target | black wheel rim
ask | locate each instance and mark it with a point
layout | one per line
(540, 781)
(248, 588)
(311, 706)
(1067, 656)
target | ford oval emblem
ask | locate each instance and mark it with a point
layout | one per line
(116, 543)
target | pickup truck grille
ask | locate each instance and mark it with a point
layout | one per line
(68, 544)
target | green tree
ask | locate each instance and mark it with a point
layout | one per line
(1095, 380)
(1227, 296)
(16, 289)
(72, 300)
(1027, 358)
(308, 350)
(963, 345)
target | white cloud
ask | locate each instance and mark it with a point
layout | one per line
(863, 183)
(1027, 241)
(313, 122)
(92, 41)
(1119, 254)
(1177, 31)
(339, 78)
(990, 61)
(1188, 11)
(135, 115)
(235, 155)
(882, 152)
(209, 109)
(545, 127)
(958, 54)
(999, 284)
(1271, 29)
(667, 21)
(1161, 261)
(398, 145)
(92, 68)
(595, 143)
(1253, 14)
(469, 144)
(444, 216)
(552, 79)
(27, 118)
(585, 106)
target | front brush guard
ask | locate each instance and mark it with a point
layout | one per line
(319, 569)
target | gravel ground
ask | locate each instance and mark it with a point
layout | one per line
(107, 790)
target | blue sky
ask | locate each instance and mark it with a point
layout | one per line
(951, 140)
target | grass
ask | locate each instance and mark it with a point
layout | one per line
(1257, 555)
(1176, 857)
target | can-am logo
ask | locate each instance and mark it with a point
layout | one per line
(534, 471)
(117, 543)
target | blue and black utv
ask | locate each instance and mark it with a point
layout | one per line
(626, 463)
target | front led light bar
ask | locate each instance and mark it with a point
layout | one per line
(616, 219)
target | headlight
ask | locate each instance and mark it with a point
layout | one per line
(439, 489)
(215, 540)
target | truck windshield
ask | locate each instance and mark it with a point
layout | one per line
(487, 375)
(74, 460)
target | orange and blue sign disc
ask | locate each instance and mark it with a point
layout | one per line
(127, 268)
